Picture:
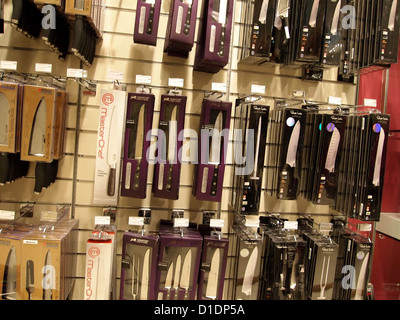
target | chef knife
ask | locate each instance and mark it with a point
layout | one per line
(48, 277)
(38, 133)
(168, 280)
(30, 280)
(215, 151)
(4, 119)
(314, 12)
(112, 157)
(144, 287)
(177, 276)
(392, 16)
(213, 276)
(9, 290)
(186, 273)
(249, 273)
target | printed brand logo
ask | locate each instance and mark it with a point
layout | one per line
(89, 290)
(93, 252)
(107, 99)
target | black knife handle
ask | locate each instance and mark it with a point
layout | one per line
(149, 29)
(186, 28)
(288, 184)
(221, 51)
(170, 175)
(136, 178)
(214, 181)
(111, 182)
(4, 168)
(40, 177)
(17, 12)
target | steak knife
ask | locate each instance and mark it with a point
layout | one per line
(38, 133)
(213, 276)
(144, 288)
(248, 277)
(215, 151)
(4, 119)
(112, 154)
(47, 280)
(9, 290)
(177, 276)
(186, 273)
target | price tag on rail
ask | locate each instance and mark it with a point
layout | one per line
(102, 220)
(43, 67)
(142, 79)
(175, 82)
(217, 223)
(218, 86)
(252, 223)
(257, 89)
(8, 65)
(290, 225)
(7, 215)
(181, 223)
(136, 221)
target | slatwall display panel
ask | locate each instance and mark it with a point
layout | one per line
(117, 52)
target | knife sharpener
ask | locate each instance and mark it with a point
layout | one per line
(211, 61)
(181, 28)
(146, 22)
(134, 242)
(205, 171)
(139, 192)
(171, 177)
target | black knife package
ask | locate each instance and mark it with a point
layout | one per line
(247, 265)
(214, 36)
(27, 18)
(256, 33)
(330, 151)
(289, 160)
(181, 28)
(139, 266)
(38, 120)
(167, 170)
(213, 267)
(251, 120)
(215, 122)
(139, 122)
(179, 261)
(146, 22)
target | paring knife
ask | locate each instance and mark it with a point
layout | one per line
(314, 13)
(168, 280)
(213, 276)
(336, 16)
(47, 280)
(177, 274)
(112, 159)
(4, 119)
(248, 277)
(216, 149)
(30, 280)
(360, 291)
(186, 273)
(392, 17)
(144, 287)
(9, 290)
(38, 133)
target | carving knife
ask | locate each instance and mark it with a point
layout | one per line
(38, 133)
(186, 273)
(392, 17)
(10, 276)
(361, 279)
(215, 150)
(314, 13)
(4, 119)
(144, 288)
(249, 273)
(177, 276)
(378, 160)
(139, 140)
(112, 153)
(48, 277)
(213, 276)
(30, 280)
(168, 280)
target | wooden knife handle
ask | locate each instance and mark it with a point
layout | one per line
(111, 182)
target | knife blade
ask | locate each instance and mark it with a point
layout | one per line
(38, 133)
(112, 153)
(186, 273)
(9, 290)
(30, 280)
(135, 276)
(293, 146)
(144, 288)
(4, 119)
(361, 279)
(168, 280)
(332, 151)
(324, 280)
(223, 16)
(139, 144)
(248, 277)
(172, 145)
(48, 277)
(263, 12)
(177, 276)
(314, 13)
(213, 276)
(215, 150)
(378, 160)
(335, 19)
(255, 177)
(392, 17)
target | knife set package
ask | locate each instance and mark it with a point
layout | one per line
(214, 134)
(320, 267)
(139, 266)
(47, 269)
(109, 150)
(283, 270)
(167, 170)
(139, 122)
(100, 267)
(252, 120)
(247, 267)
(256, 35)
(178, 263)
(213, 267)
(214, 36)
(181, 28)
(147, 21)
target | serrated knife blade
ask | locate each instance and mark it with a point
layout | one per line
(332, 151)
(293, 145)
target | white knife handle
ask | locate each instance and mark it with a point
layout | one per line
(213, 32)
(204, 180)
(142, 19)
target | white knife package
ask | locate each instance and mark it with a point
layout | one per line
(109, 146)
(139, 123)
(215, 123)
(247, 266)
(252, 121)
(178, 264)
(256, 37)
(167, 170)
(181, 28)
(214, 36)
(146, 22)
(213, 268)
(139, 266)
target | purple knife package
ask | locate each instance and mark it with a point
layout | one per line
(209, 172)
(213, 45)
(139, 266)
(178, 263)
(167, 169)
(139, 122)
(181, 28)
(147, 20)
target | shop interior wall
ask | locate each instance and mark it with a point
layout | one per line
(117, 52)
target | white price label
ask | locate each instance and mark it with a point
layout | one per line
(175, 82)
(136, 221)
(298, 94)
(48, 216)
(76, 73)
(43, 67)
(141, 79)
(290, 225)
(8, 65)
(335, 100)
(370, 103)
(181, 223)
(257, 89)
(364, 227)
(7, 215)
(102, 220)
(252, 223)
(115, 75)
(217, 223)
(218, 86)
(30, 241)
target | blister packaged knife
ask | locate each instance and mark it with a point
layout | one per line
(147, 21)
